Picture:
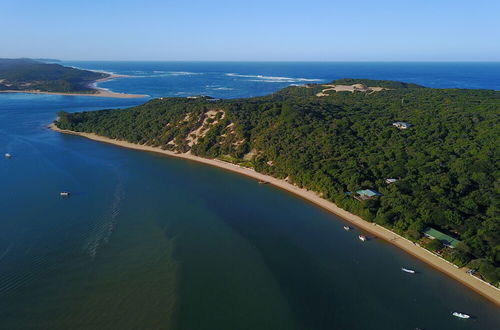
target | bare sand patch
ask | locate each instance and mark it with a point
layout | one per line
(348, 88)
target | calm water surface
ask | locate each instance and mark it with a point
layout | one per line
(149, 242)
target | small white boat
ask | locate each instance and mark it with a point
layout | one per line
(347, 228)
(64, 193)
(461, 315)
(362, 238)
(411, 271)
(7, 155)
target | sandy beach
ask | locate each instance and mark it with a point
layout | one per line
(101, 92)
(375, 231)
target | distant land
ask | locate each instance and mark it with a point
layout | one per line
(47, 60)
(421, 162)
(34, 76)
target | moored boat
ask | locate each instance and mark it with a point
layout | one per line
(347, 228)
(362, 238)
(471, 272)
(461, 315)
(411, 271)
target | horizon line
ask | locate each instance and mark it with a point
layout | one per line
(262, 61)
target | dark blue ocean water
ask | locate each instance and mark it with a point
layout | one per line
(232, 80)
(150, 242)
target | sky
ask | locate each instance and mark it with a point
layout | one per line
(251, 30)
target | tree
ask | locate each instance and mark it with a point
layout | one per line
(434, 245)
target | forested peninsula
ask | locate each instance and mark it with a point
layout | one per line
(421, 162)
(35, 76)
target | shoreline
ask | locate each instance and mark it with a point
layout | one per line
(459, 274)
(100, 92)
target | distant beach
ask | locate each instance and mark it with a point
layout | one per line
(376, 231)
(100, 92)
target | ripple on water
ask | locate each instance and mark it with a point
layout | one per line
(105, 225)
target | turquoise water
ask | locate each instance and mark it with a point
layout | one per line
(149, 242)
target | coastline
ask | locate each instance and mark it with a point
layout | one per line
(488, 291)
(100, 92)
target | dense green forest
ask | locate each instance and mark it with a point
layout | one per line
(446, 163)
(27, 74)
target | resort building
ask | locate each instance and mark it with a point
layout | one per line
(401, 125)
(365, 194)
(445, 239)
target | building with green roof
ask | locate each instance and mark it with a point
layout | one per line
(367, 194)
(445, 239)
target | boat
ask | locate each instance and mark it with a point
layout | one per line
(411, 271)
(347, 228)
(263, 182)
(461, 315)
(7, 155)
(64, 193)
(362, 238)
(471, 272)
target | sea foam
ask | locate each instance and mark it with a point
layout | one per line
(272, 79)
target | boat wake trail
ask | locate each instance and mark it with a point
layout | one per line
(7, 250)
(105, 227)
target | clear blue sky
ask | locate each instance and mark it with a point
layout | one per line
(323, 30)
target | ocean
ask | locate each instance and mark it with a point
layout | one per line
(150, 242)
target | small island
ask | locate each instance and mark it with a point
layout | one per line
(429, 187)
(33, 76)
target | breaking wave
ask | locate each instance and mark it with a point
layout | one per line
(272, 79)
(179, 73)
(219, 88)
(158, 73)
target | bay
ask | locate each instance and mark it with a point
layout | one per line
(151, 242)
